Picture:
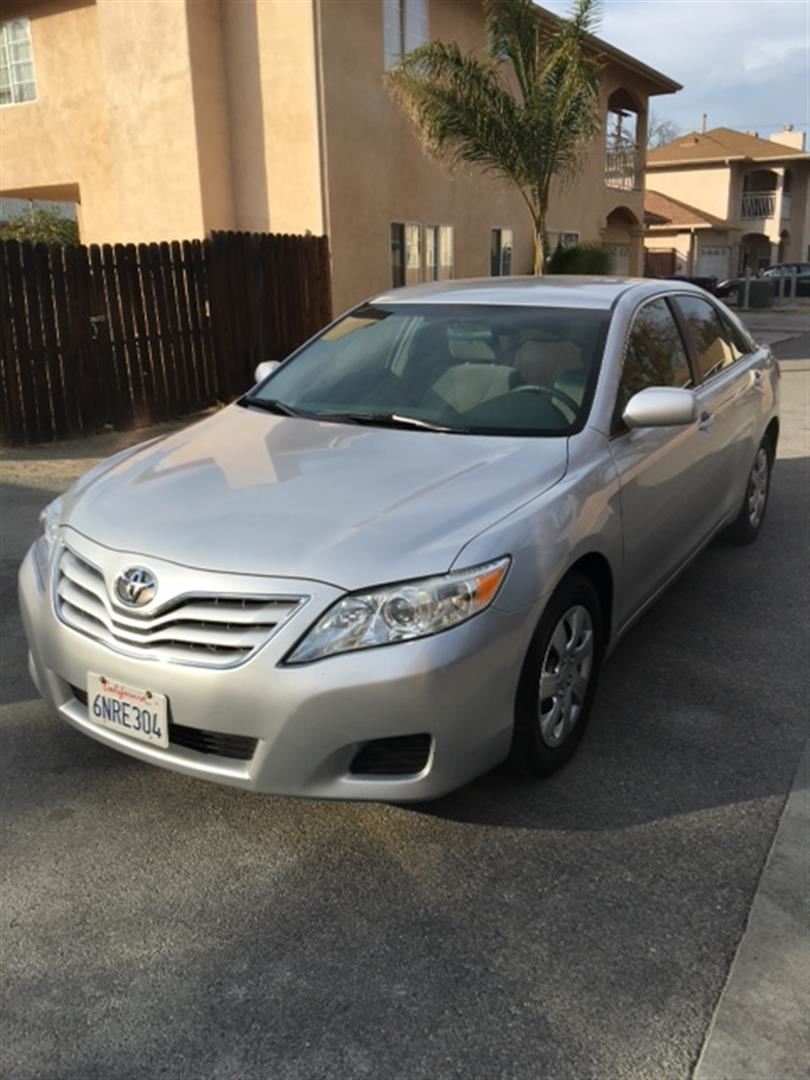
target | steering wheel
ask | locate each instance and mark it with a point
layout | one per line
(551, 392)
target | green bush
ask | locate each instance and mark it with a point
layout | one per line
(579, 259)
(40, 225)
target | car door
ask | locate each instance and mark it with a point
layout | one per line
(730, 389)
(665, 500)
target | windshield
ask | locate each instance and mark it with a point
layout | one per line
(472, 369)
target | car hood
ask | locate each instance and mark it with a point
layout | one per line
(247, 492)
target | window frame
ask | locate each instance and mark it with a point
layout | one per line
(5, 47)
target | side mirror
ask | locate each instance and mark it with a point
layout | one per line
(660, 406)
(267, 367)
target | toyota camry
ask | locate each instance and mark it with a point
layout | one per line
(402, 557)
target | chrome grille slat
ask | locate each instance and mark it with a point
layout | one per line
(213, 630)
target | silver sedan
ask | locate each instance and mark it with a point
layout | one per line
(404, 555)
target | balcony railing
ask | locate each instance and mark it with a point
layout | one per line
(758, 204)
(623, 168)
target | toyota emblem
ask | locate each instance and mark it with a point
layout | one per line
(136, 586)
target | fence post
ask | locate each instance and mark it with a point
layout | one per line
(781, 286)
(794, 283)
(747, 288)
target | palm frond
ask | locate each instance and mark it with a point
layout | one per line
(512, 34)
(466, 112)
(460, 107)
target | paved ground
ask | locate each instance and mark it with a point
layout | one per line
(580, 928)
(761, 1027)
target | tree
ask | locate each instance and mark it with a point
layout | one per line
(466, 111)
(660, 131)
(39, 224)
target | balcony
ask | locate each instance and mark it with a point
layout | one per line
(758, 204)
(623, 165)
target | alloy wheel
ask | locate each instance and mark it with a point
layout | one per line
(565, 675)
(758, 487)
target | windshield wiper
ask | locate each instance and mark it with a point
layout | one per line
(390, 420)
(273, 406)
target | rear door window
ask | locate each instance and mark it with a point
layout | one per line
(713, 347)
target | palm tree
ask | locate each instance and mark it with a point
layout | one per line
(524, 112)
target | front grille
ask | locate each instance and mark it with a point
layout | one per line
(238, 747)
(217, 631)
(399, 756)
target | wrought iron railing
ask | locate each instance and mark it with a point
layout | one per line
(623, 167)
(758, 204)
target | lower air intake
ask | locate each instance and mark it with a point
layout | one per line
(403, 755)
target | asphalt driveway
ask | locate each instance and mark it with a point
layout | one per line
(153, 925)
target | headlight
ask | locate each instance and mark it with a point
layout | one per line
(413, 609)
(43, 547)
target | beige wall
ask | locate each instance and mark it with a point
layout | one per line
(378, 173)
(707, 188)
(148, 93)
(62, 142)
(269, 46)
(204, 21)
(140, 145)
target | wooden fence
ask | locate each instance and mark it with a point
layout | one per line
(128, 335)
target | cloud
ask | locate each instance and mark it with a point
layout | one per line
(746, 64)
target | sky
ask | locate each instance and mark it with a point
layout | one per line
(744, 62)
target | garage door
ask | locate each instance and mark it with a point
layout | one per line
(619, 259)
(713, 262)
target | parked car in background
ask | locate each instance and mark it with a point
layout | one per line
(707, 283)
(786, 270)
(403, 556)
(732, 288)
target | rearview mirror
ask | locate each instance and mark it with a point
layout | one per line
(267, 367)
(660, 406)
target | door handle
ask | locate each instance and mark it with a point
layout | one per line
(757, 381)
(706, 420)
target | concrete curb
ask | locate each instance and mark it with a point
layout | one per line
(760, 1028)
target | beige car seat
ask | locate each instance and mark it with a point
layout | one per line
(540, 363)
(465, 386)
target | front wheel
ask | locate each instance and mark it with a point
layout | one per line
(745, 527)
(558, 679)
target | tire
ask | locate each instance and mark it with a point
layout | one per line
(545, 734)
(746, 526)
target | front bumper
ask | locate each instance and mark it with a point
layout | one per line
(309, 721)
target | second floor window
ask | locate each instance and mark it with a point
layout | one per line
(405, 26)
(406, 253)
(438, 252)
(500, 253)
(17, 82)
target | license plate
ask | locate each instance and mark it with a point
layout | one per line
(140, 714)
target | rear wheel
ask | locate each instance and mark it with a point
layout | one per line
(558, 679)
(745, 528)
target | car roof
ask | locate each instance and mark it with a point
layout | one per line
(553, 290)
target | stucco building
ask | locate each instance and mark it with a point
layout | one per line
(166, 119)
(721, 200)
